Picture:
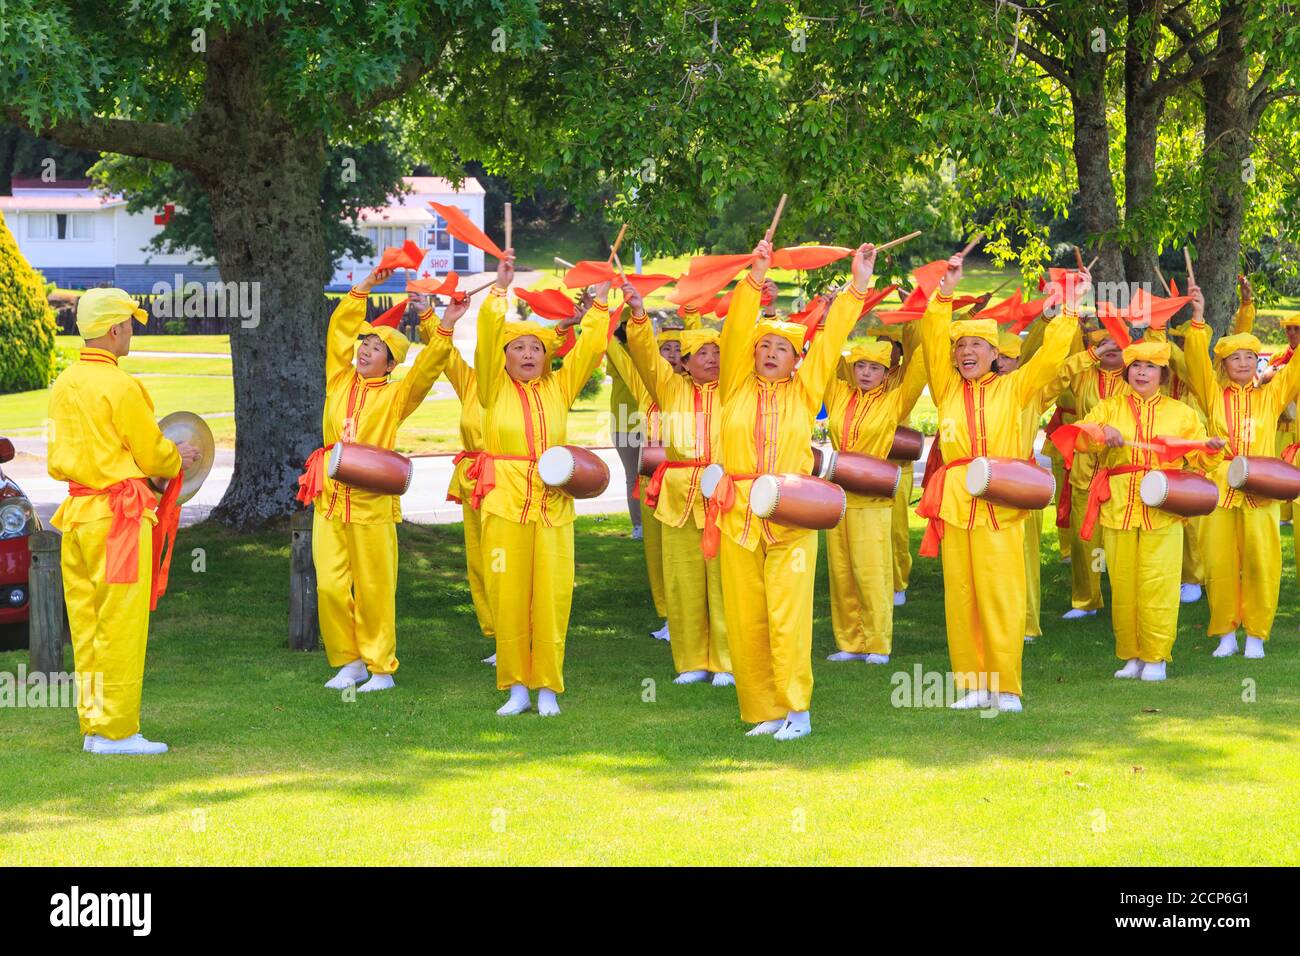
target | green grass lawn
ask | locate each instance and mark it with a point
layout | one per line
(24, 413)
(269, 767)
(216, 344)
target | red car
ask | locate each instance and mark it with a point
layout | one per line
(17, 520)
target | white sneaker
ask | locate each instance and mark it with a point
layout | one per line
(637, 534)
(840, 656)
(1153, 670)
(661, 634)
(378, 682)
(900, 598)
(877, 658)
(1075, 613)
(724, 679)
(135, 744)
(1254, 647)
(1131, 670)
(491, 660)
(348, 675)
(691, 677)
(972, 699)
(1010, 703)
(795, 726)
(1189, 593)
(1227, 646)
(1030, 639)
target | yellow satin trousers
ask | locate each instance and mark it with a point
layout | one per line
(110, 628)
(529, 573)
(860, 558)
(356, 591)
(1085, 558)
(899, 530)
(1144, 568)
(474, 566)
(1242, 548)
(768, 594)
(697, 623)
(1034, 572)
(984, 605)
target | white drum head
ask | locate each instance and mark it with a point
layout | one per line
(764, 494)
(1238, 472)
(978, 474)
(555, 467)
(709, 478)
(1154, 489)
(336, 455)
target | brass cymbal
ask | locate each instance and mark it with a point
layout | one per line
(188, 427)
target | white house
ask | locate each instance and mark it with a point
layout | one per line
(79, 237)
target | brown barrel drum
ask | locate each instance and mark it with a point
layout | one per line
(1010, 482)
(1181, 493)
(370, 468)
(797, 501)
(864, 474)
(1263, 477)
(908, 444)
(576, 471)
(649, 458)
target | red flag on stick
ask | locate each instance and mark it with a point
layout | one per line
(459, 225)
(548, 303)
(803, 258)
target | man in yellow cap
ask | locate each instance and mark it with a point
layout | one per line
(862, 414)
(1144, 547)
(1242, 543)
(104, 442)
(354, 532)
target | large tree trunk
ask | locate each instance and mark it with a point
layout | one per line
(263, 179)
(1099, 210)
(1141, 126)
(1227, 146)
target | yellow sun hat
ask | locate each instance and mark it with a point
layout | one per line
(693, 339)
(986, 329)
(517, 330)
(792, 332)
(882, 353)
(1157, 353)
(1235, 343)
(1010, 345)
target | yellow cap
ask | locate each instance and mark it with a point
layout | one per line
(1291, 321)
(397, 343)
(882, 353)
(98, 310)
(517, 330)
(1009, 345)
(1234, 343)
(693, 339)
(986, 329)
(1157, 353)
(668, 335)
(792, 332)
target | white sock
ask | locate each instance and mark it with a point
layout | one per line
(900, 598)
(1254, 647)
(491, 660)
(348, 675)
(1132, 668)
(377, 682)
(518, 703)
(547, 705)
(846, 656)
(662, 634)
(1010, 703)
(1153, 670)
(766, 727)
(1227, 646)
(1075, 613)
(691, 677)
(877, 658)
(1189, 593)
(972, 699)
(724, 679)
(798, 723)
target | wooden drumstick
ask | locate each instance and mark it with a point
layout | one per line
(563, 262)
(613, 251)
(508, 224)
(1078, 258)
(971, 245)
(771, 230)
(1160, 275)
(899, 241)
(1191, 276)
(1093, 262)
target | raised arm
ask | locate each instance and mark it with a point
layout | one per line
(621, 360)
(1196, 353)
(691, 318)
(823, 356)
(909, 389)
(1244, 320)
(1043, 371)
(429, 364)
(489, 350)
(737, 355)
(585, 355)
(652, 368)
(936, 345)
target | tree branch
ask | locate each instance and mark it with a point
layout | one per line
(1054, 68)
(407, 78)
(1265, 99)
(148, 140)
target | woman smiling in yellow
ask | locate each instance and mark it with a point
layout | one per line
(769, 401)
(528, 527)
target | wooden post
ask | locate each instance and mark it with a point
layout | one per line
(304, 625)
(46, 625)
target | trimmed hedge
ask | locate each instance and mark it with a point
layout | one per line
(26, 321)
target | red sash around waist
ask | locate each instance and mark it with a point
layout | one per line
(1099, 494)
(466, 455)
(723, 500)
(312, 480)
(932, 500)
(483, 472)
(656, 482)
(128, 500)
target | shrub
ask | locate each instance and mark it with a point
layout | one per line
(26, 321)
